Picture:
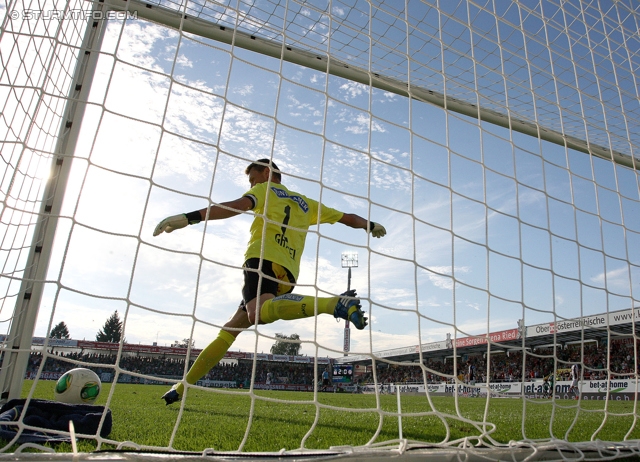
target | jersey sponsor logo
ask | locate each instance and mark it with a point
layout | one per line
(294, 297)
(281, 193)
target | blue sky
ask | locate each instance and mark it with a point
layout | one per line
(485, 226)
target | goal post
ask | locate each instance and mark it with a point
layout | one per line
(17, 344)
(496, 141)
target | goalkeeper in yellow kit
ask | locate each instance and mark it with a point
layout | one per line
(269, 280)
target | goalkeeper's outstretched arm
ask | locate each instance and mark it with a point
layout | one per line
(242, 204)
(356, 221)
(215, 212)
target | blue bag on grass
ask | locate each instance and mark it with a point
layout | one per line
(52, 415)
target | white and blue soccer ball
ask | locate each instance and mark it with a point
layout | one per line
(78, 386)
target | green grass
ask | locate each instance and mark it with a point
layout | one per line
(281, 419)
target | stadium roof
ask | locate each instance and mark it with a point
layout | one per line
(600, 328)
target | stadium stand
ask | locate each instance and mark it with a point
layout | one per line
(502, 367)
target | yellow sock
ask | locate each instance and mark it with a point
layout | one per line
(207, 359)
(292, 306)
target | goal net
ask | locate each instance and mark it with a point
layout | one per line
(497, 142)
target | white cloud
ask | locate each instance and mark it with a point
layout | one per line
(182, 60)
(438, 275)
(616, 280)
(353, 89)
(244, 90)
(363, 123)
(137, 42)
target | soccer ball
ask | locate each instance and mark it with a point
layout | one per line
(78, 386)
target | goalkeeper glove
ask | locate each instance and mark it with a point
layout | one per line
(177, 222)
(376, 229)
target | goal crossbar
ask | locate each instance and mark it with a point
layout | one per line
(224, 34)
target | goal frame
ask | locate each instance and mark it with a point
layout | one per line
(28, 303)
(18, 346)
(30, 294)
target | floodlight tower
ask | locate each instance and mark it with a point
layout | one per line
(349, 260)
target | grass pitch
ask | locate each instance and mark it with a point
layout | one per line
(266, 421)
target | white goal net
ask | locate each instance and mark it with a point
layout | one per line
(497, 142)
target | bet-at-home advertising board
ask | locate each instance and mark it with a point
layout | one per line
(619, 389)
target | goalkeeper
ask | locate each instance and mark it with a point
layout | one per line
(270, 273)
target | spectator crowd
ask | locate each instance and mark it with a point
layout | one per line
(506, 367)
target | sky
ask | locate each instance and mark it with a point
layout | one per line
(484, 226)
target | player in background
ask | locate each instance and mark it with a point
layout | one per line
(271, 261)
(325, 380)
(547, 386)
(471, 373)
(471, 378)
(575, 379)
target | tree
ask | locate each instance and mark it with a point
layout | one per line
(184, 344)
(60, 331)
(286, 345)
(112, 330)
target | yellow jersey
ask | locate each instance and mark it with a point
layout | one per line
(288, 217)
